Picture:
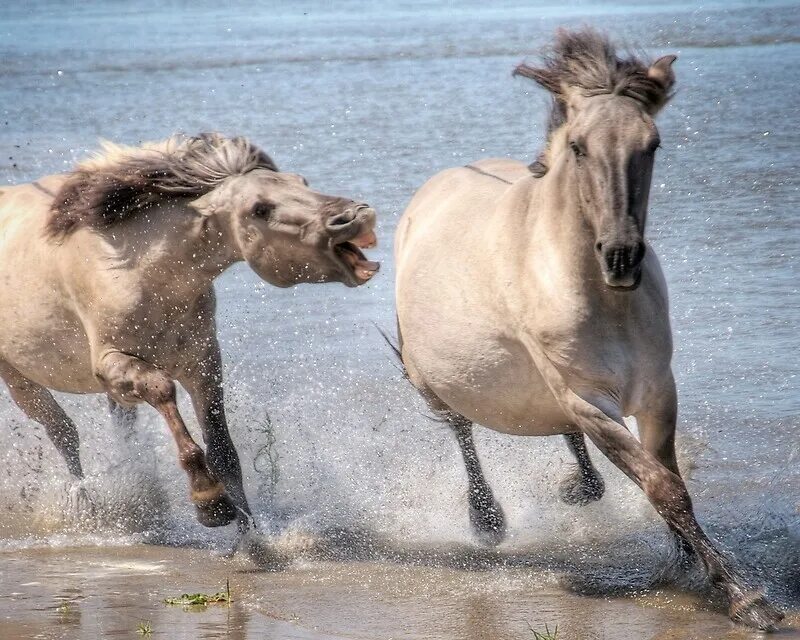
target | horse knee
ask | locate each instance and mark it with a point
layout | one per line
(130, 380)
(191, 457)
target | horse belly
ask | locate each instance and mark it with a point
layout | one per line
(39, 336)
(489, 380)
(48, 348)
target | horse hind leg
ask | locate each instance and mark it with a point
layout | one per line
(584, 484)
(485, 514)
(40, 406)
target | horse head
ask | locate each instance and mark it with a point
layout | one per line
(604, 135)
(288, 233)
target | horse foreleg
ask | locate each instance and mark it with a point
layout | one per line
(602, 423)
(40, 406)
(657, 433)
(485, 514)
(584, 484)
(206, 392)
(131, 380)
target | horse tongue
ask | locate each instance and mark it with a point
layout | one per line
(365, 269)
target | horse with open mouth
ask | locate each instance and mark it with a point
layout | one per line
(528, 300)
(108, 285)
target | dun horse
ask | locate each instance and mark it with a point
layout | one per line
(528, 300)
(107, 285)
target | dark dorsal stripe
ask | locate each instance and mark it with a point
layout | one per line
(43, 190)
(486, 173)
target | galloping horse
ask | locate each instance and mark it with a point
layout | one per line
(107, 285)
(528, 300)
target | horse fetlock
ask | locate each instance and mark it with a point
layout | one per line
(192, 459)
(214, 507)
(486, 517)
(207, 494)
(754, 610)
(579, 488)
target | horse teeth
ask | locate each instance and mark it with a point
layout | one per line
(366, 240)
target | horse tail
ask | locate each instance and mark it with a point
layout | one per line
(395, 347)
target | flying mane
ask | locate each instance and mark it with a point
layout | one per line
(120, 181)
(587, 62)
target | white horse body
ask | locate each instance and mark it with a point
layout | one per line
(521, 294)
(40, 329)
(103, 282)
(528, 300)
(108, 277)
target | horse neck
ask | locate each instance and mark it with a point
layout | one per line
(555, 227)
(174, 241)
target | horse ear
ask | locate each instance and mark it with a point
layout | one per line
(661, 71)
(204, 205)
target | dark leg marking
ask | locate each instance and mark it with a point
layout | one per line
(485, 514)
(220, 452)
(584, 484)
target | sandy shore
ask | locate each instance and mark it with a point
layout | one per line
(108, 592)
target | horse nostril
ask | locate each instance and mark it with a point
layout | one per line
(342, 219)
(622, 259)
(599, 247)
(614, 259)
(637, 253)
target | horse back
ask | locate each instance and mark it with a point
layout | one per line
(450, 198)
(31, 200)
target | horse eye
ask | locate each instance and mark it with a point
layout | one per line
(576, 149)
(263, 210)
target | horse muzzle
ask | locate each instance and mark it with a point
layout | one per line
(621, 264)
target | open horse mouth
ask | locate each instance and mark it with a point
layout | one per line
(349, 252)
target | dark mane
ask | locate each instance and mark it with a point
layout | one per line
(587, 62)
(121, 181)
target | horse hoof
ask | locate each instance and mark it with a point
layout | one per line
(754, 610)
(579, 489)
(489, 524)
(216, 512)
(80, 507)
(263, 553)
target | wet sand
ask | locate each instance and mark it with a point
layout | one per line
(107, 592)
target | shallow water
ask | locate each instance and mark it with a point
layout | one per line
(107, 592)
(369, 102)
